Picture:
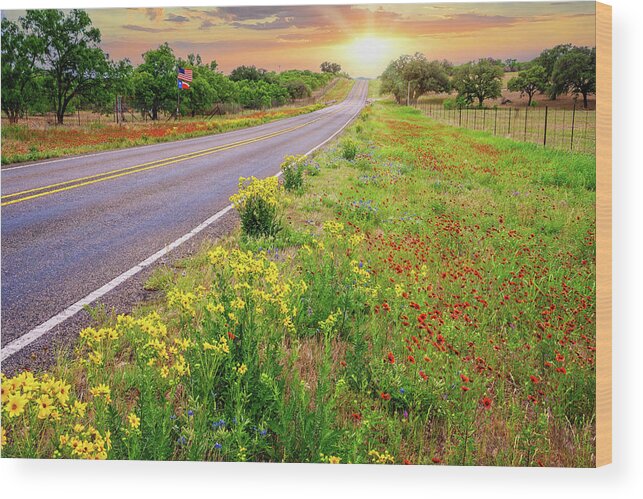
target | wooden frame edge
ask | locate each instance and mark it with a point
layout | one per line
(603, 234)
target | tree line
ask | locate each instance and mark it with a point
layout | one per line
(52, 61)
(563, 69)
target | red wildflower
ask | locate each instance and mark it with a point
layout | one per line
(342, 363)
(436, 460)
(391, 358)
(561, 370)
(464, 378)
(424, 376)
(411, 359)
(560, 358)
(534, 379)
(356, 417)
(464, 388)
(231, 335)
(385, 396)
(486, 402)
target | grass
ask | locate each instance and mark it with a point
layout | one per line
(374, 88)
(513, 123)
(339, 91)
(430, 301)
(20, 143)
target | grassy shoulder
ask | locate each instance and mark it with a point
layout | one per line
(20, 143)
(429, 299)
(339, 91)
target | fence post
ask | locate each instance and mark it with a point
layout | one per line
(484, 118)
(509, 125)
(495, 121)
(525, 137)
(460, 120)
(571, 140)
(545, 132)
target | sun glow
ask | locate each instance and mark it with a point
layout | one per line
(371, 54)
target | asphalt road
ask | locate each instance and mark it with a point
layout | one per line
(71, 225)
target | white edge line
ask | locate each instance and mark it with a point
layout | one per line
(18, 344)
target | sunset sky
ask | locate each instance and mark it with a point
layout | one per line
(362, 38)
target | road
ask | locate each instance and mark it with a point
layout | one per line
(72, 225)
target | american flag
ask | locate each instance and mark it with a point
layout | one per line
(185, 74)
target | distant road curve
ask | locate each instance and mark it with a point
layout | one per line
(75, 228)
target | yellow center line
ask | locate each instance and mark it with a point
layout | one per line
(121, 172)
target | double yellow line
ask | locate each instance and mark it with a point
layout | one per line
(19, 197)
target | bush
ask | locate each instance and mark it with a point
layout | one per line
(257, 205)
(349, 150)
(292, 169)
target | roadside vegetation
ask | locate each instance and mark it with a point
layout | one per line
(22, 143)
(420, 295)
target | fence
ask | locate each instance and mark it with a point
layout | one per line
(571, 130)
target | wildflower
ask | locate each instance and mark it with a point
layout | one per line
(391, 358)
(134, 421)
(3, 441)
(334, 459)
(464, 388)
(242, 369)
(561, 370)
(534, 379)
(45, 405)
(190, 413)
(436, 460)
(102, 390)
(356, 417)
(486, 402)
(16, 404)
(385, 396)
(464, 378)
(218, 446)
(402, 391)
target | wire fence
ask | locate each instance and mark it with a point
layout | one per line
(571, 130)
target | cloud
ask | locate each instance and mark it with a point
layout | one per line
(206, 24)
(153, 14)
(146, 29)
(174, 18)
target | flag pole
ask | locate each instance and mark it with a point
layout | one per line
(178, 98)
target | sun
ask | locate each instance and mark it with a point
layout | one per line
(371, 52)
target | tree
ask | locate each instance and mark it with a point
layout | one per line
(529, 82)
(479, 80)
(72, 61)
(19, 54)
(575, 72)
(511, 65)
(251, 73)
(330, 67)
(154, 81)
(409, 77)
(547, 59)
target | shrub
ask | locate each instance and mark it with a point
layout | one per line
(257, 205)
(292, 169)
(349, 149)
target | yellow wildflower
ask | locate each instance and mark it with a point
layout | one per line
(45, 406)
(134, 421)
(16, 404)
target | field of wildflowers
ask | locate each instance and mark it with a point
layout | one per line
(429, 299)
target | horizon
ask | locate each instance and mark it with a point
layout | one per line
(362, 38)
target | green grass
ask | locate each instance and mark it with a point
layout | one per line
(339, 91)
(430, 300)
(374, 88)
